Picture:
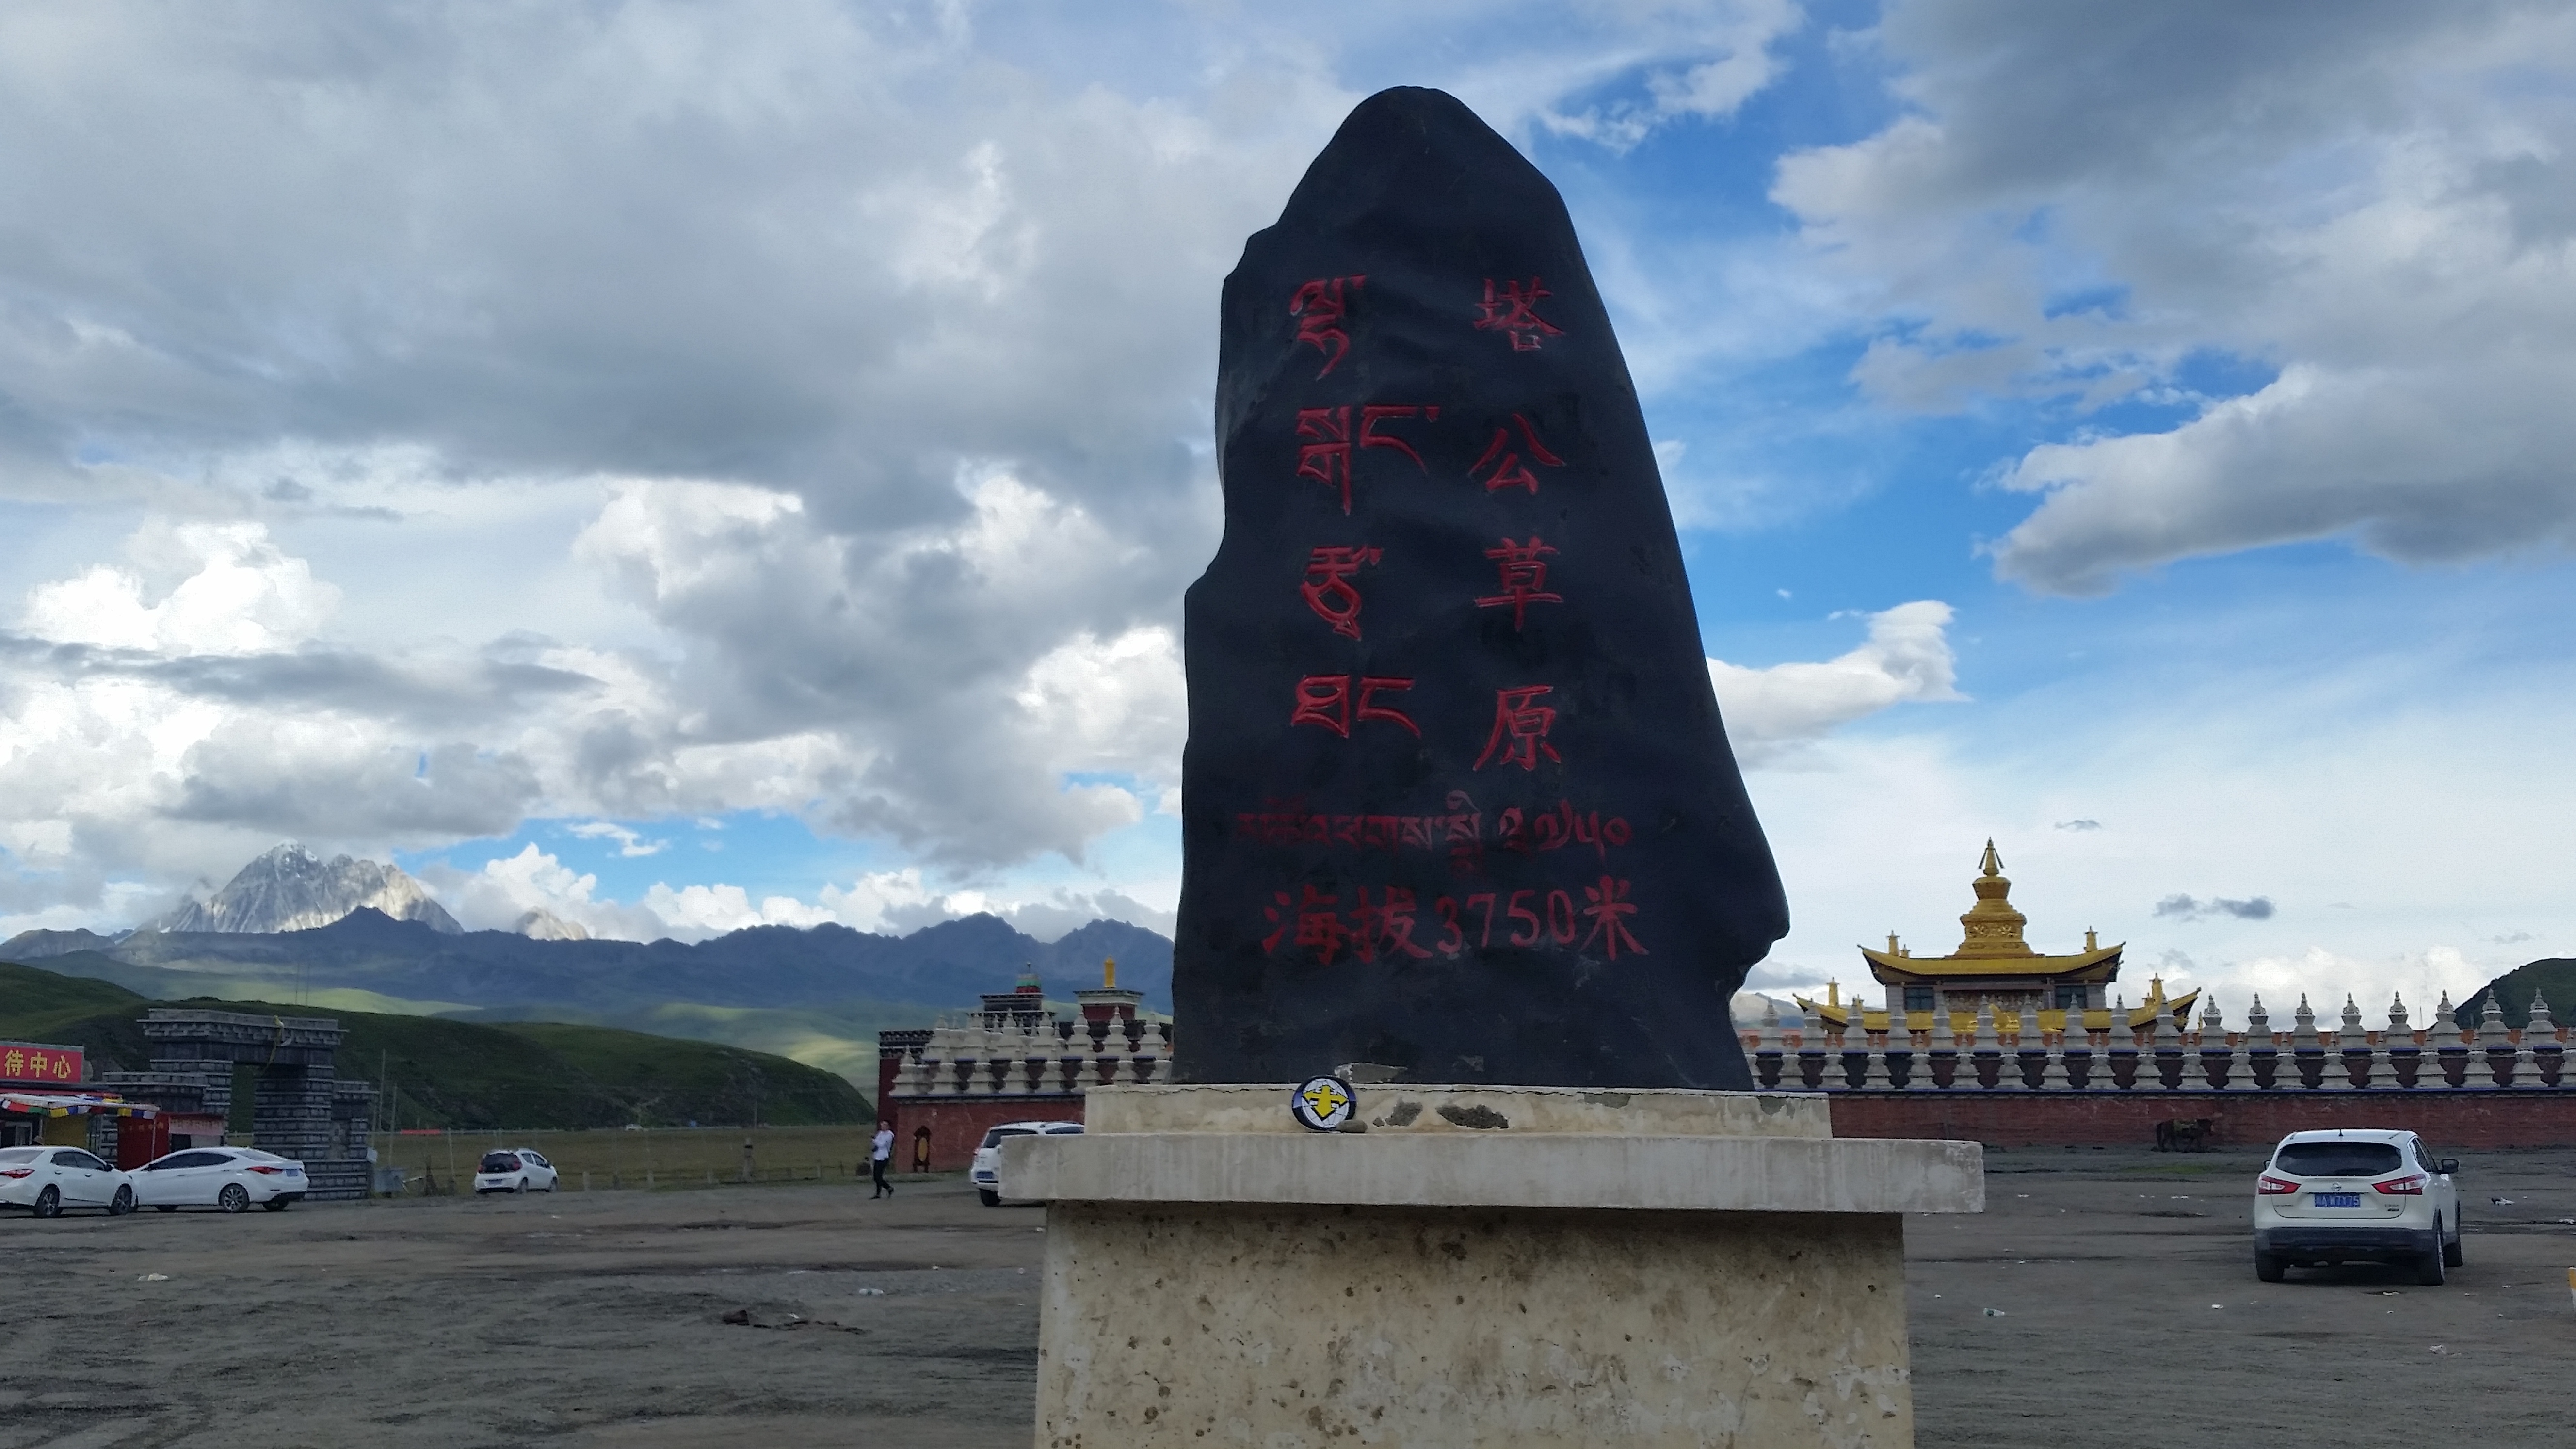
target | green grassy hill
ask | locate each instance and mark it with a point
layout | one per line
(442, 1073)
(839, 1037)
(2553, 977)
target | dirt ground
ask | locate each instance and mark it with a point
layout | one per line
(2131, 1315)
(2125, 1312)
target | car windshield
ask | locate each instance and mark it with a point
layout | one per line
(18, 1154)
(994, 1137)
(2338, 1159)
(499, 1162)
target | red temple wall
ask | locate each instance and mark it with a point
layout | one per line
(958, 1124)
(2443, 1117)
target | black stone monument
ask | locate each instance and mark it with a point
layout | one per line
(1456, 797)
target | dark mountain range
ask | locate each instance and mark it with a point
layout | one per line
(943, 966)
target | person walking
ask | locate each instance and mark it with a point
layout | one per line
(881, 1153)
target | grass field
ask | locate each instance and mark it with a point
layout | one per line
(659, 1157)
(437, 1072)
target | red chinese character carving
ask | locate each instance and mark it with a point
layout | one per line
(1319, 930)
(1515, 314)
(1325, 699)
(1605, 904)
(1278, 923)
(1319, 308)
(1390, 924)
(1505, 460)
(1328, 588)
(1524, 578)
(1327, 460)
(1520, 728)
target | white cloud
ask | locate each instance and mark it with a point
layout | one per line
(2394, 836)
(508, 887)
(233, 592)
(175, 717)
(1772, 710)
(696, 911)
(1701, 62)
(891, 902)
(936, 685)
(2084, 208)
(865, 349)
(629, 843)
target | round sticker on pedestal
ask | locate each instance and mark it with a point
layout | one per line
(1323, 1104)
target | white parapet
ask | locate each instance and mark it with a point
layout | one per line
(1504, 1170)
(1262, 1107)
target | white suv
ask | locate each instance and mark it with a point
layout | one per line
(2356, 1197)
(987, 1171)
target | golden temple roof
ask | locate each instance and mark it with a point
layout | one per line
(1963, 1022)
(1991, 946)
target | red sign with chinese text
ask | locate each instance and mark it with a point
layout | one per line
(27, 1064)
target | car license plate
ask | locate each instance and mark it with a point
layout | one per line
(2337, 1199)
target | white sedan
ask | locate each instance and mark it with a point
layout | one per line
(229, 1178)
(46, 1180)
(986, 1172)
(514, 1170)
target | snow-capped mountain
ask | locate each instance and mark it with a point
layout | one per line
(292, 889)
(540, 924)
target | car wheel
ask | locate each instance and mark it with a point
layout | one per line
(123, 1204)
(522, 1186)
(2269, 1267)
(163, 1207)
(49, 1203)
(275, 1204)
(2429, 1269)
(990, 1197)
(234, 1198)
(2452, 1253)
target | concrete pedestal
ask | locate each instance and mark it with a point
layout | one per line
(1482, 1267)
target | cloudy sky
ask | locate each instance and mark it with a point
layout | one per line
(685, 465)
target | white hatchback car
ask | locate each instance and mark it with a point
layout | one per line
(46, 1180)
(987, 1171)
(228, 1178)
(513, 1170)
(2356, 1196)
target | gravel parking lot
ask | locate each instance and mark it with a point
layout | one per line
(2124, 1311)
